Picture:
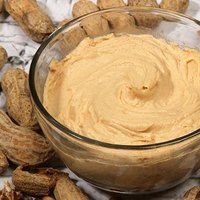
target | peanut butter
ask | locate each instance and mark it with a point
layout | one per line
(127, 89)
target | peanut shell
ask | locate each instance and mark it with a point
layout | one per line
(146, 20)
(120, 21)
(71, 39)
(103, 4)
(1, 5)
(37, 182)
(192, 194)
(32, 19)
(3, 57)
(66, 189)
(175, 5)
(9, 193)
(63, 22)
(48, 198)
(117, 21)
(3, 162)
(94, 25)
(21, 145)
(19, 105)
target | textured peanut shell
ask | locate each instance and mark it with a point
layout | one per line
(117, 21)
(103, 4)
(175, 5)
(83, 7)
(21, 145)
(93, 26)
(35, 22)
(120, 21)
(140, 3)
(19, 106)
(146, 20)
(70, 39)
(66, 189)
(9, 193)
(63, 22)
(1, 5)
(3, 57)
(192, 194)
(3, 162)
(47, 198)
(36, 181)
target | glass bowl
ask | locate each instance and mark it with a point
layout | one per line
(135, 169)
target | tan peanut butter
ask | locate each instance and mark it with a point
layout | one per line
(128, 89)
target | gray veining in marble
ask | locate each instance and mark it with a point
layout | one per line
(21, 50)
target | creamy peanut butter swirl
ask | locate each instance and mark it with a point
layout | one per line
(126, 90)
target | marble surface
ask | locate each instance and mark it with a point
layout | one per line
(21, 50)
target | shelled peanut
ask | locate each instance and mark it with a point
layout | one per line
(95, 25)
(32, 19)
(19, 106)
(21, 145)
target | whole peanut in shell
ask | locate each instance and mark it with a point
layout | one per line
(145, 20)
(3, 162)
(175, 5)
(95, 25)
(32, 19)
(22, 146)
(3, 57)
(19, 106)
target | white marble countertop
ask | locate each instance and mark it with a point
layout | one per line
(21, 50)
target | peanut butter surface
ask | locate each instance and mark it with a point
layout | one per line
(128, 89)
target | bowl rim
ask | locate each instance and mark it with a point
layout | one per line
(75, 135)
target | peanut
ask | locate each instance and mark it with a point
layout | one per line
(63, 22)
(175, 5)
(3, 57)
(3, 162)
(37, 182)
(31, 18)
(71, 39)
(83, 7)
(120, 21)
(21, 145)
(94, 25)
(66, 189)
(1, 5)
(192, 194)
(9, 193)
(146, 20)
(19, 105)
(103, 4)
(140, 3)
(117, 21)
(48, 198)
